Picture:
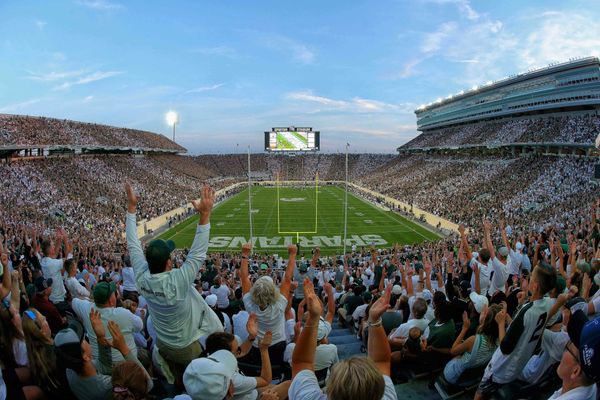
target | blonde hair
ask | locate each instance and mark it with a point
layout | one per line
(264, 292)
(41, 358)
(355, 378)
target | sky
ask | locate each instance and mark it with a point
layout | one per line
(232, 69)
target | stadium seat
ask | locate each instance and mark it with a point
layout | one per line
(468, 381)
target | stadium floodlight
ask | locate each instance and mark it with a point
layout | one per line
(172, 120)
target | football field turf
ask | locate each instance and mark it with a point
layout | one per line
(309, 216)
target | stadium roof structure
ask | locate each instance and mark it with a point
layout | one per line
(573, 85)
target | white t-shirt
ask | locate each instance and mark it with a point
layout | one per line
(239, 324)
(305, 386)
(77, 291)
(222, 293)
(403, 329)
(579, 393)
(326, 355)
(498, 281)
(271, 318)
(20, 352)
(359, 312)
(52, 269)
(485, 271)
(120, 315)
(244, 387)
(129, 279)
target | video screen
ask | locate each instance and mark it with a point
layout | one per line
(292, 139)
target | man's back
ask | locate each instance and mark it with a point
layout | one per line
(520, 342)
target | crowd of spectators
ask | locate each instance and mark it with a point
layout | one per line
(581, 129)
(31, 131)
(516, 309)
(531, 191)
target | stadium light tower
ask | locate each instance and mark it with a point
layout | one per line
(172, 120)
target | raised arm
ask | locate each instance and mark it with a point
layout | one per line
(465, 243)
(306, 345)
(378, 347)
(330, 303)
(487, 228)
(289, 272)
(503, 233)
(136, 253)
(244, 277)
(6, 278)
(266, 374)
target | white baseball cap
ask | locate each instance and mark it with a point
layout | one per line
(397, 289)
(210, 377)
(323, 330)
(211, 300)
(519, 246)
(478, 301)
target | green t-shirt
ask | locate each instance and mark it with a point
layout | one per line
(441, 336)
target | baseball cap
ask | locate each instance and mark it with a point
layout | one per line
(519, 246)
(303, 267)
(66, 336)
(397, 289)
(583, 266)
(585, 335)
(211, 300)
(42, 284)
(264, 266)
(577, 303)
(159, 251)
(478, 301)
(210, 377)
(367, 296)
(102, 292)
(427, 295)
(67, 343)
(323, 330)
(503, 251)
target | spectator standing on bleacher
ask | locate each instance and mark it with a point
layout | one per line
(179, 313)
(522, 336)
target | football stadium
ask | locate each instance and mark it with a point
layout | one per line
(198, 203)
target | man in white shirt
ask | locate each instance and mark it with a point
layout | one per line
(180, 316)
(105, 302)
(52, 268)
(75, 288)
(579, 367)
(399, 336)
(129, 285)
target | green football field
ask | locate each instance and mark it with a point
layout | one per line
(309, 216)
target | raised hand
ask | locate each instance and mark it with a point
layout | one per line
(381, 305)
(98, 328)
(313, 305)
(205, 205)
(292, 250)
(246, 249)
(118, 340)
(461, 229)
(252, 326)
(266, 341)
(132, 198)
(466, 321)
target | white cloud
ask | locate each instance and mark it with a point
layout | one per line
(54, 75)
(433, 41)
(101, 5)
(40, 24)
(356, 104)
(205, 88)
(89, 78)
(223, 51)
(299, 51)
(18, 106)
(87, 99)
(464, 7)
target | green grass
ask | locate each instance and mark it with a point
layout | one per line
(283, 143)
(301, 137)
(297, 208)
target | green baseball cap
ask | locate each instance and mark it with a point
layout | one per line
(264, 266)
(303, 267)
(102, 292)
(561, 284)
(157, 254)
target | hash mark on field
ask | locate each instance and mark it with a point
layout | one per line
(229, 216)
(359, 214)
(236, 209)
(220, 223)
(368, 221)
(255, 211)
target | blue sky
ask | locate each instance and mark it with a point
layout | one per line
(355, 70)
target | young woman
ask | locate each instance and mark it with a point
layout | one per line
(40, 356)
(476, 350)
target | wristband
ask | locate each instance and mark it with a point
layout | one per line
(249, 339)
(374, 324)
(244, 257)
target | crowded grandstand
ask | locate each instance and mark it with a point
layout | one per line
(504, 305)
